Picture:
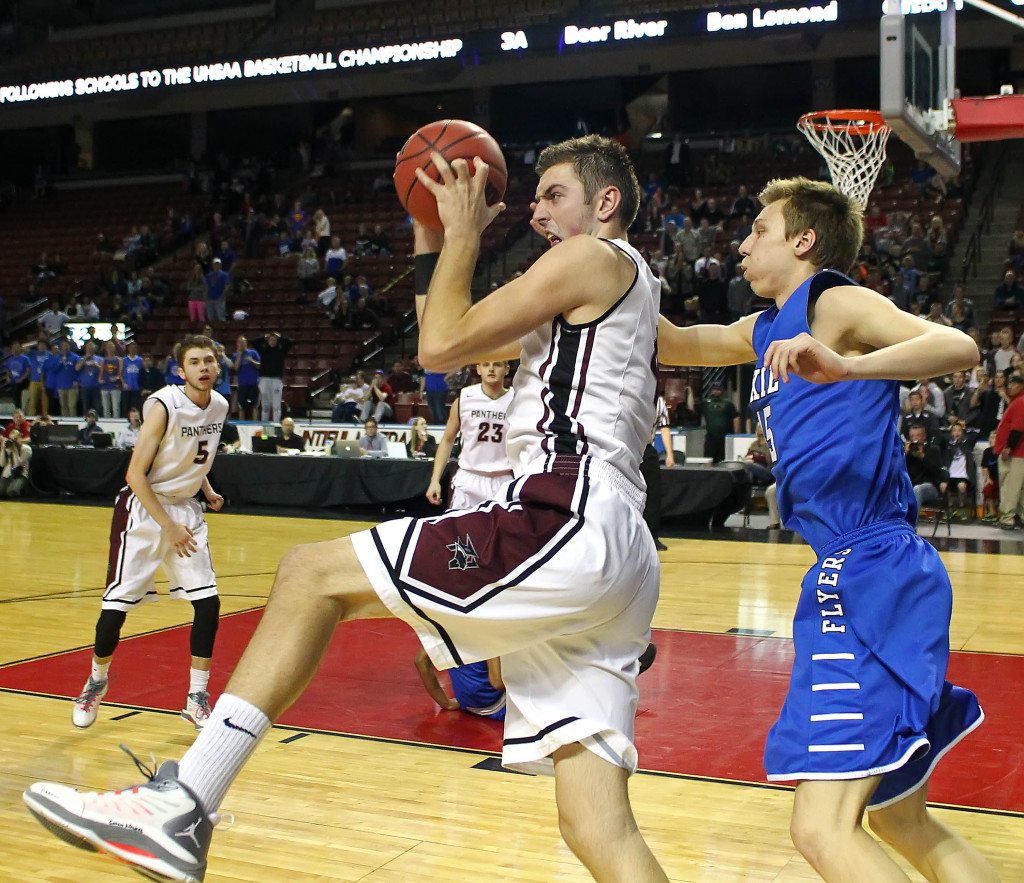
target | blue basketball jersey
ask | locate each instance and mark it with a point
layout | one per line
(839, 460)
(474, 691)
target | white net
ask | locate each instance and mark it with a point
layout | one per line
(853, 147)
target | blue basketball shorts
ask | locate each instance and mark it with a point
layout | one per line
(868, 693)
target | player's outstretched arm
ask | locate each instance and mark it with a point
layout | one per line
(706, 345)
(431, 684)
(153, 428)
(444, 451)
(868, 337)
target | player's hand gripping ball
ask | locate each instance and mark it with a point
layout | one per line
(453, 139)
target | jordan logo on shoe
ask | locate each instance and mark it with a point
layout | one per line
(227, 723)
(190, 831)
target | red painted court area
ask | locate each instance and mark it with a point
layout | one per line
(705, 706)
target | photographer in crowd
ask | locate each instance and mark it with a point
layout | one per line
(15, 454)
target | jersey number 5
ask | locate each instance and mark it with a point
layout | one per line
(490, 432)
(202, 454)
(769, 436)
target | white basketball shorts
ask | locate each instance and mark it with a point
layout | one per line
(559, 578)
(470, 489)
(138, 546)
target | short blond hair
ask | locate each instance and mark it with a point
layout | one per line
(836, 219)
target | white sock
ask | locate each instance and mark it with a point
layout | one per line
(99, 672)
(222, 748)
(198, 680)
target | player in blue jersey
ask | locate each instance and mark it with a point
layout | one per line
(869, 712)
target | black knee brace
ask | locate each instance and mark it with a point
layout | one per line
(204, 626)
(108, 632)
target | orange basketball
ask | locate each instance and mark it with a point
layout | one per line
(453, 139)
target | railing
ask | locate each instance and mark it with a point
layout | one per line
(972, 253)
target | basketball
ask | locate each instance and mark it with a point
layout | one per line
(453, 139)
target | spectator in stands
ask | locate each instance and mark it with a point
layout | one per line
(308, 272)
(700, 266)
(1002, 356)
(322, 230)
(958, 397)
(363, 318)
(297, 221)
(246, 362)
(272, 349)
(90, 429)
(677, 160)
(743, 204)
(372, 443)
(1009, 446)
(87, 310)
(66, 378)
(924, 466)
(434, 389)
(713, 295)
(690, 240)
(989, 402)
(327, 297)
(349, 400)
(218, 286)
(151, 378)
(990, 475)
(51, 321)
(400, 380)
(720, 419)
(1009, 294)
(51, 368)
(15, 454)
(757, 460)
(380, 242)
(935, 313)
(224, 367)
(739, 295)
(341, 312)
(89, 368)
(918, 415)
(37, 358)
(1015, 252)
(707, 235)
(958, 460)
(128, 436)
(111, 381)
(18, 423)
(379, 397)
(875, 220)
(131, 367)
(335, 258)
(19, 372)
(937, 235)
(171, 375)
(959, 320)
(286, 440)
(104, 244)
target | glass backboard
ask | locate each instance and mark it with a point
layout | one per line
(918, 72)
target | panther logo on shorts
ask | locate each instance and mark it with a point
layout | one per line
(464, 557)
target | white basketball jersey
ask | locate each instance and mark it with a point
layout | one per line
(484, 424)
(189, 444)
(590, 389)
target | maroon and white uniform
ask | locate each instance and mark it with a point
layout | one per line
(559, 577)
(137, 543)
(483, 462)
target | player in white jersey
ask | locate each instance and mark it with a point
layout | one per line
(480, 415)
(157, 521)
(559, 578)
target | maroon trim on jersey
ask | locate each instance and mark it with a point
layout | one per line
(588, 350)
(120, 523)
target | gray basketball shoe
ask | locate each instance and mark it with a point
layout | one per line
(158, 828)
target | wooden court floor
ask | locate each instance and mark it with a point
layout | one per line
(333, 807)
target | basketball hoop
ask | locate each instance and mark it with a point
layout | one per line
(852, 143)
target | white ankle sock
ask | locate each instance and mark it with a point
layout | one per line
(222, 748)
(99, 672)
(198, 680)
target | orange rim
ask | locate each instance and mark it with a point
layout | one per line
(857, 122)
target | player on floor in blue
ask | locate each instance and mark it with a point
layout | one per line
(869, 712)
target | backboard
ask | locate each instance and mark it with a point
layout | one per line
(918, 75)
